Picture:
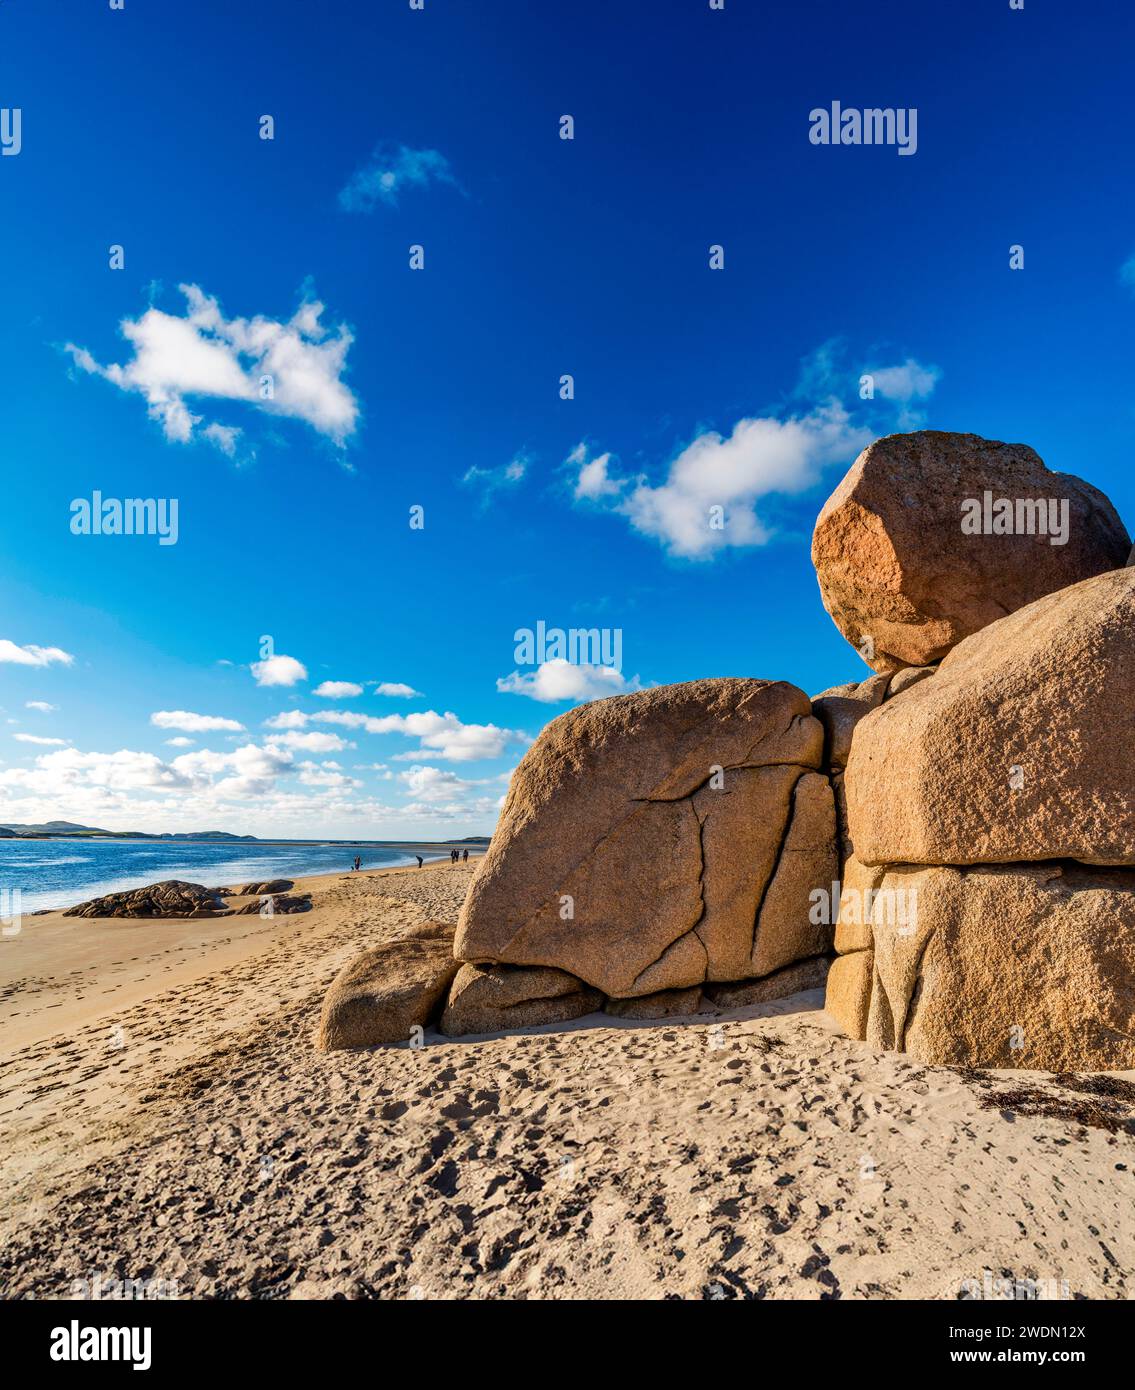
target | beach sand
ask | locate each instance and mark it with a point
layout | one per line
(164, 1115)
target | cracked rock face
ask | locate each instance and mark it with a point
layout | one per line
(970, 799)
(896, 567)
(661, 840)
(1015, 965)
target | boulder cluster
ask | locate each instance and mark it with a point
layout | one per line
(175, 898)
(171, 898)
(948, 844)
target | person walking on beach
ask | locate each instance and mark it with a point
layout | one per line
(358, 862)
(418, 857)
(464, 856)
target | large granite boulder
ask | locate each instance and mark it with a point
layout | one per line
(1021, 747)
(171, 898)
(275, 905)
(389, 990)
(905, 565)
(1004, 966)
(661, 840)
(271, 885)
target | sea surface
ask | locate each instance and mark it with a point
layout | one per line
(61, 873)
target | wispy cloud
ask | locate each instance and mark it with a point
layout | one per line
(312, 742)
(337, 690)
(391, 170)
(46, 742)
(396, 690)
(41, 705)
(191, 723)
(440, 735)
(32, 655)
(708, 499)
(592, 480)
(489, 481)
(290, 368)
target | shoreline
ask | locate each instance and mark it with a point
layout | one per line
(52, 953)
(238, 840)
(128, 884)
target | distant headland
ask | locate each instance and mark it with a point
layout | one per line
(69, 830)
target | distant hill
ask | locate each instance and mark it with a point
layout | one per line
(58, 827)
(67, 827)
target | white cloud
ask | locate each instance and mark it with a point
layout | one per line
(337, 690)
(433, 783)
(327, 775)
(252, 770)
(180, 742)
(390, 171)
(910, 381)
(35, 738)
(292, 368)
(41, 705)
(32, 655)
(223, 437)
(194, 723)
(592, 482)
(759, 457)
(396, 690)
(441, 735)
(279, 670)
(248, 790)
(312, 742)
(708, 500)
(289, 719)
(56, 774)
(493, 480)
(564, 680)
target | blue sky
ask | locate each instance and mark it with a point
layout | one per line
(440, 388)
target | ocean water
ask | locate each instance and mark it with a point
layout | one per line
(61, 873)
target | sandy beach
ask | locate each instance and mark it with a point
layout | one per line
(165, 1115)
